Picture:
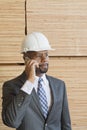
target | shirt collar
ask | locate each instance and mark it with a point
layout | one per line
(43, 77)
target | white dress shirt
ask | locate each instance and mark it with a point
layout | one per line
(28, 87)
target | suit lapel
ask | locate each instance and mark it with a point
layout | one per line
(54, 100)
(36, 100)
(37, 104)
(54, 97)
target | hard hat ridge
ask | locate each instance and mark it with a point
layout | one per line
(35, 41)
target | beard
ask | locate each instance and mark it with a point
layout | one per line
(43, 68)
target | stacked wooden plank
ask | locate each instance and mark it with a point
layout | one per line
(12, 30)
(64, 22)
(65, 25)
(74, 72)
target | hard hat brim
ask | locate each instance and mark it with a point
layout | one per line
(27, 50)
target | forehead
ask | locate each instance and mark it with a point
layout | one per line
(37, 52)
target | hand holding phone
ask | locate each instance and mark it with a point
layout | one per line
(30, 68)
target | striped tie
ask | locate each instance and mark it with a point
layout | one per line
(42, 97)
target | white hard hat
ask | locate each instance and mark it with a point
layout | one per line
(35, 41)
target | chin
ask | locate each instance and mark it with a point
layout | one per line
(42, 70)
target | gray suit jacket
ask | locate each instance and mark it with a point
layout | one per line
(23, 111)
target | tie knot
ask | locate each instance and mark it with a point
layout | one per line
(40, 80)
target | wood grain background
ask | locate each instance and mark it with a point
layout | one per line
(64, 22)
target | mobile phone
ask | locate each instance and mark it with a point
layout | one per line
(27, 59)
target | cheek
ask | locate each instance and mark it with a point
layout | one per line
(39, 60)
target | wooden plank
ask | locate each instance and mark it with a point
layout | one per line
(12, 30)
(63, 22)
(74, 72)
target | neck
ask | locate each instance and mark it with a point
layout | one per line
(39, 74)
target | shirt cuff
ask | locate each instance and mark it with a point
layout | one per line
(27, 87)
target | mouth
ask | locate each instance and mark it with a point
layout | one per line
(43, 68)
(43, 64)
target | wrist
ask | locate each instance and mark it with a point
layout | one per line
(27, 87)
(31, 79)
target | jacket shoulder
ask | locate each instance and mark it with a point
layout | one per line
(17, 81)
(55, 79)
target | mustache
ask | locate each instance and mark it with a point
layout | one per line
(46, 63)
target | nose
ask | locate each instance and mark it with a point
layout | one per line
(44, 58)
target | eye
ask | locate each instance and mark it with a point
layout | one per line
(38, 55)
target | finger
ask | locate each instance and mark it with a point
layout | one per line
(31, 64)
(35, 63)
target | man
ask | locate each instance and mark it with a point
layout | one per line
(34, 100)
